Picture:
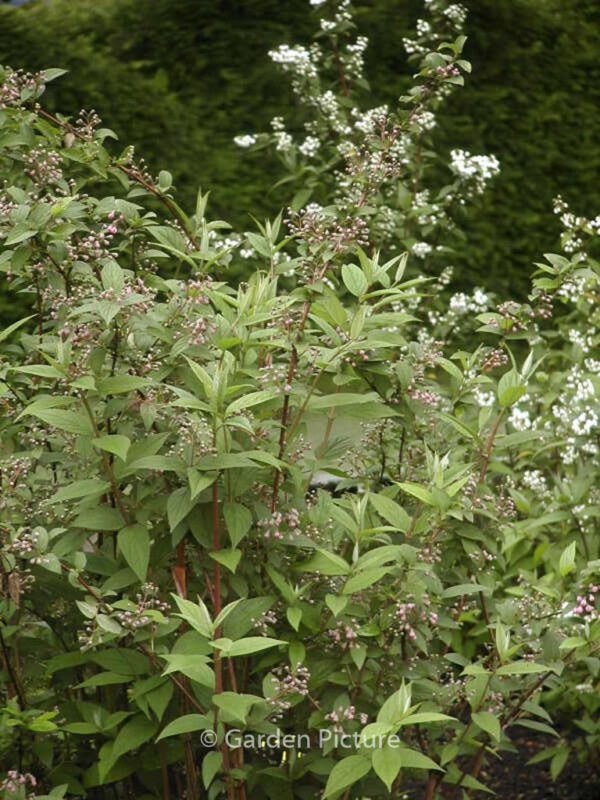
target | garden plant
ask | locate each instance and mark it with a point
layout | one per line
(188, 608)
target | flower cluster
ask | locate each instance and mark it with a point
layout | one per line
(16, 781)
(474, 171)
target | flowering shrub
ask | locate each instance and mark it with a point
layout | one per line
(185, 610)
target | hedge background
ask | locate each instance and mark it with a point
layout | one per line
(180, 78)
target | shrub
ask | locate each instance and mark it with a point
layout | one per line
(173, 576)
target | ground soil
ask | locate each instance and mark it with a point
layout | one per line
(512, 778)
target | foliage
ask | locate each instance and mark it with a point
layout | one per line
(171, 570)
(165, 76)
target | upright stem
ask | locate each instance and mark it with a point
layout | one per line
(13, 674)
(286, 404)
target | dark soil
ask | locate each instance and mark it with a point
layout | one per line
(512, 778)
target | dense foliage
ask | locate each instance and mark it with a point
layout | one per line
(173, 575)
(180, 80)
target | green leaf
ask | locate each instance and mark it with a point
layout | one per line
(52, 73)
(40, 370)
(193, 667)
(249, 400)
(18, 235)
(211, 765)
(336, 604)
(195, 614)
(396, 706)
(412, 759)
(294, 615)
(238, 520)
(391, 511)
(249, 645)
(134, 544)
(15, 326)
(488, 723)
(424, 718)
(510, 388)
(121, 384)
(115, 443)
(327, 401)
(521, 668)
(67, 421)
(103, 679)
(236, 704)
(179, 506)
(229, 558)
(198, 482)
(160, 463)
(202, 375)
(356, 583)
(121, 660)
(464, 589)
(102, 518)
(84, 488)
(186, 724)
(346, 773)
(241, 619)
(325, 563)
(224, 461)
(572, 642)
(420, 492)
(386, 765)
(566, 562)
(113, 276)
(133, 734)
(354, 279)
(559, 761)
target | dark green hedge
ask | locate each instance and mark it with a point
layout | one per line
(180, 78)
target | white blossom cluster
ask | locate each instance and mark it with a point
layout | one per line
(585, 342)
(245, 140)
(461, 303)
(457, 14)
(428, 213)
(327, 104)
(421, 249)
(520, 419)
(354, 58)
(369, 121)
(484, 399)
(576, 415)
(475, 171)
(427, 37)
(297, 60)
(310, 146)
(576, 229)
(534, 479)
(424, 120)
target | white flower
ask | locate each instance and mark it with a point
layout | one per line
(424, 120)
(534, 480)
(310, 146)
(477, 170)
(520, 419)
(484, 399)
(456, 14)
(246, 140)
(421, 249)
(585, 423)
(284, 141)
(423, 28)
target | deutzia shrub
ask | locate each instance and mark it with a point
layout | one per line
(176, 583)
